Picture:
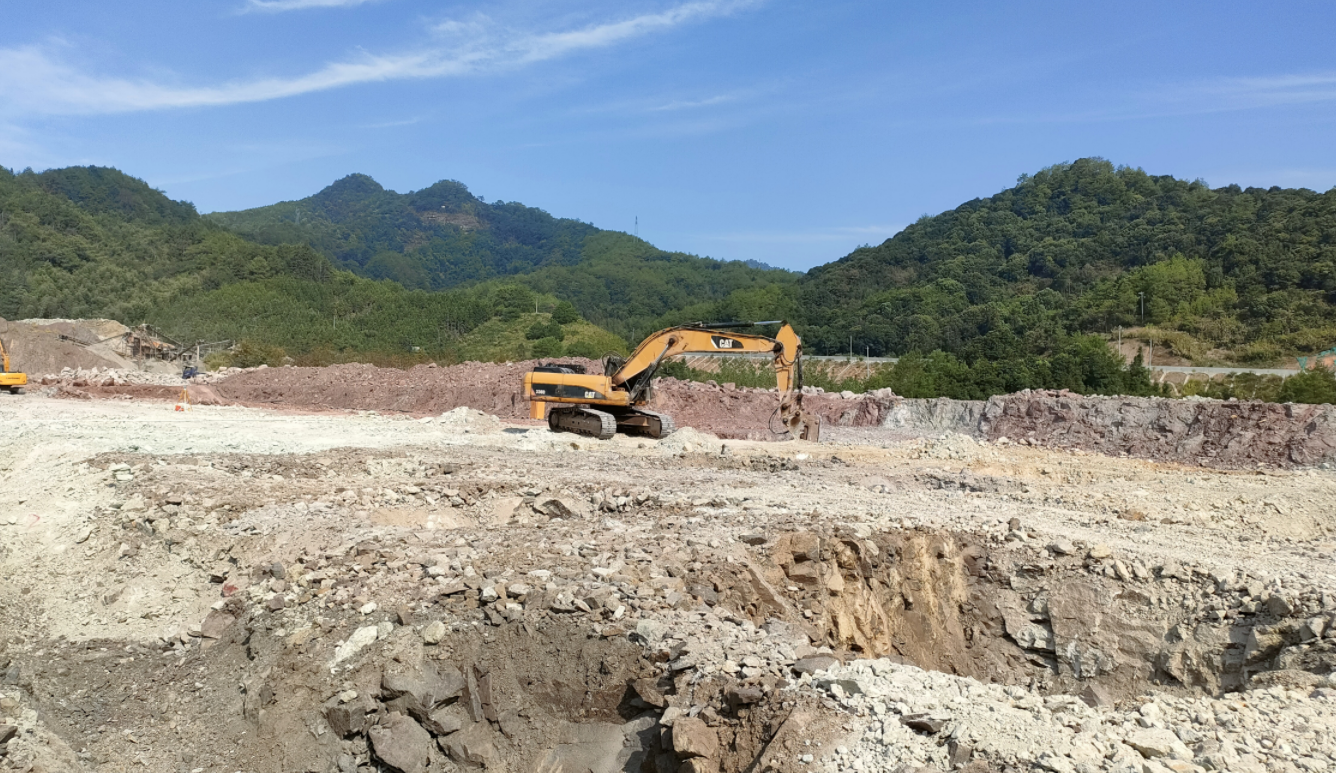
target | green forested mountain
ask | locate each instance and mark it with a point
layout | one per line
(1237, 274)
(432, 239)
(93, 242)
(83, 242)
(444, 237)
(998, 292)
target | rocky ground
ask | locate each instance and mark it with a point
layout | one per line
(245, 589)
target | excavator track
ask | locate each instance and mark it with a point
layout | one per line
(639, 421)
(582, 421)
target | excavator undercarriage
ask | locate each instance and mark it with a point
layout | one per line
(601, 424)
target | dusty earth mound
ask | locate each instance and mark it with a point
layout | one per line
(752, 414)
(38, 349)
(1203, 432)
(495, 388)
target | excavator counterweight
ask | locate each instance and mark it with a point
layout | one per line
(602, 405)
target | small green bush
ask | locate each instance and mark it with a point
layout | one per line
(565, 313)
(253, 354)
(545, 330)
(548, 347)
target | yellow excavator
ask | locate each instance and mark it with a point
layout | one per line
(602, 405)
(12, 383)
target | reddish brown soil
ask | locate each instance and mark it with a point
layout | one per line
(426, 389)
(496, 389)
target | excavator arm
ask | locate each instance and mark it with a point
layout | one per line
(639, 368)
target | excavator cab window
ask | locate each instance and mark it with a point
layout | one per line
(560, 367)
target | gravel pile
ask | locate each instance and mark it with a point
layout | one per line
(909, 718)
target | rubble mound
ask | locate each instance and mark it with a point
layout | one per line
(467, 419)
(688, 440)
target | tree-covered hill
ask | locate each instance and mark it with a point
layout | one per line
(1247, 274)
(89, 241)
(1226, 275)
(93, 242)
(435, 238)
(443, 237)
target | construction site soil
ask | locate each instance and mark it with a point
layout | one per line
(352, 569)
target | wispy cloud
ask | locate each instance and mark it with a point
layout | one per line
(391, 124)
(1187, 98)
(37, 81)
(278, 6)
(693, 104)
(1251, 92)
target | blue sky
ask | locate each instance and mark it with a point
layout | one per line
(777, 130)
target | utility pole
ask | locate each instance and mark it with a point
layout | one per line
(1142, 297)
(1120, 343)
(851, 347)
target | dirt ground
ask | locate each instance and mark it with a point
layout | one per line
(255, 589)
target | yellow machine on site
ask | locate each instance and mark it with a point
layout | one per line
(10, 382)
(602, 405)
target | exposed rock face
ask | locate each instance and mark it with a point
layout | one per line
(1222, 434)
(1209, 432)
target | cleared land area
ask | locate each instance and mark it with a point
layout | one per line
(347, 569)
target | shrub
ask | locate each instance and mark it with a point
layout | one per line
(548, 347)
(565, 313)
(1312, 386)
(253, 354)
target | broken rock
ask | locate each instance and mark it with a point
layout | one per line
(472, 746)
(693, 738)
(401, 743)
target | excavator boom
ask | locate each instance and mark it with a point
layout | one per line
(602, 404)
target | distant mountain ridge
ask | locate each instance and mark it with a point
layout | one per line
(1213, 275)
(1228, 273)
(443, 237)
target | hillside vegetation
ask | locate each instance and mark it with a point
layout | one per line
(93, 242)
(1243, 275)
(444, 237)
(1019, 290)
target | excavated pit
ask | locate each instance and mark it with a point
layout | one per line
(546, 692)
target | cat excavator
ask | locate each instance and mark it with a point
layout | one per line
(10, 382)
(602, 405)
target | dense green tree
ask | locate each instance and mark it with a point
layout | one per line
(1312, 386)
(545, 330)
(565, 313)
(547, 347)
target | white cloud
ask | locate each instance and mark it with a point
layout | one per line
(37, 82)
(278, 6)
(692, 104)
(1243, 93)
